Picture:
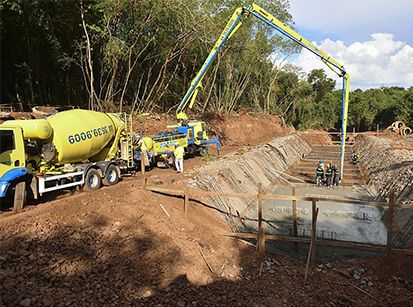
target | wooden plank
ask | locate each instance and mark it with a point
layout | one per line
(389, 245)
(19, 196)
(343, 244)
(174, 192)
(261, 234)
(200, 193)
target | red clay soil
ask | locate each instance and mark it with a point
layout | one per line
(237, 129)
(123, 245)
(118, 246)
(317, 137)
(248, 129)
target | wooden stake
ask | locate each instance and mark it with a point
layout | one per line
(365, 292)
(314, 232)
(261, 234)
(206, 262)
(294, 209)
(312, 250)
(143, 168)
(389, 246)
(164, 210)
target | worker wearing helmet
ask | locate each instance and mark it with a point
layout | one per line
(355, 158)
(321, 164)
(144, 151)
(319, 174)
(336, 175)
(329, 174)
(179, 158)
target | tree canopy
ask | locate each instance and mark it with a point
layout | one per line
(111, 54)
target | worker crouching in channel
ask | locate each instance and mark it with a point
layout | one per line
(179, 158)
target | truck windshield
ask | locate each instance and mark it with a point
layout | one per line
(6, 141)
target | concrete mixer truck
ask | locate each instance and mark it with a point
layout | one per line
(69, 149)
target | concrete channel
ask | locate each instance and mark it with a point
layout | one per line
(263, 164)
(336, 221)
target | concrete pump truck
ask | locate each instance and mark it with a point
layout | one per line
(193, 127)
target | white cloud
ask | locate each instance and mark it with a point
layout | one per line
(352, 20)
(382, 60)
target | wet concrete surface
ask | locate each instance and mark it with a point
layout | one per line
(336, 221)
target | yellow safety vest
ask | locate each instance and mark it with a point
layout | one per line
(179, 153)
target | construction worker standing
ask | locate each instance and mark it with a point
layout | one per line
(329, 174)
(179, 158)
(319, 175)
(144, 151)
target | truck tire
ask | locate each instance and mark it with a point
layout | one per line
(111, 176)
(93, 181)
(203, 150)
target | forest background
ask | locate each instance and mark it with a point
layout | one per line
(111, 54)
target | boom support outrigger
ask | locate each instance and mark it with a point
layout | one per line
(232, 26)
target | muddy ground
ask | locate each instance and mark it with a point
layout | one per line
(123, 245)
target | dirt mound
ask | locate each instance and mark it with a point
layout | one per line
(237, 129)
(248, 129)
(317, 137)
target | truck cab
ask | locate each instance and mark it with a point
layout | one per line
(12, 159)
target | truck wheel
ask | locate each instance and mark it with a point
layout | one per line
(111, 176)
(93, 181)
(203, 151)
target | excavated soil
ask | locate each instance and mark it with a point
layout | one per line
(118, 246)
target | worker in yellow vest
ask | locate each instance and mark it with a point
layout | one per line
(179, 158)
(144, 151)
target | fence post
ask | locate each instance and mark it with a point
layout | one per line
(314, 232)
(143, 169)
(390, 210)
(294, 209)
(312, 250)
(261, 234)
(378, 129)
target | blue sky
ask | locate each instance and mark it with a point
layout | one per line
(372, 39)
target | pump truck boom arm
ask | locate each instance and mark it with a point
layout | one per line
(232, 26)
